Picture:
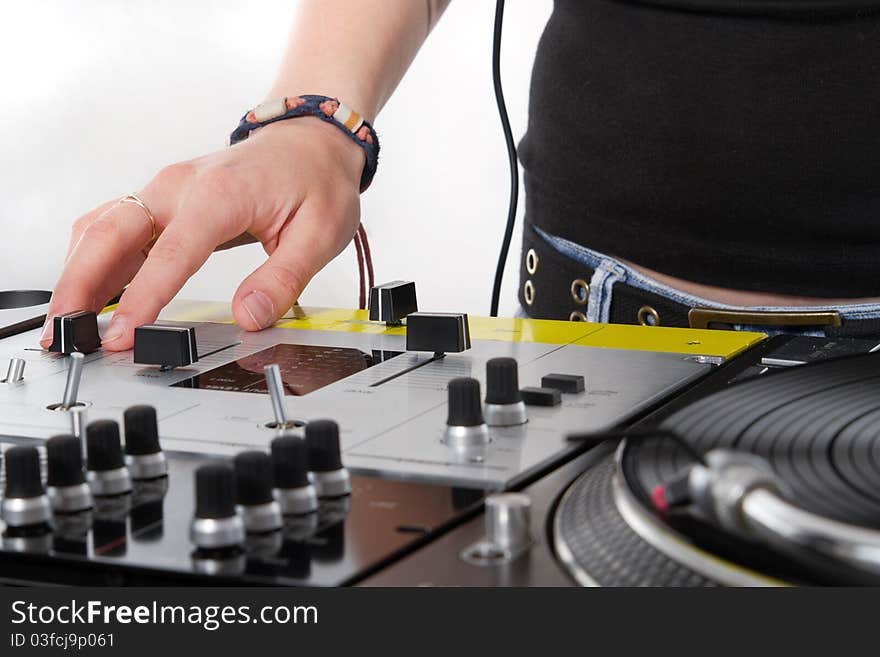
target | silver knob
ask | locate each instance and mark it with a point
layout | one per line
(15, 373)
(508, 518)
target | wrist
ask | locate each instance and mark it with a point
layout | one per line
(330, 111)
(328, 139)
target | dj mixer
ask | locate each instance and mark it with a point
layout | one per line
(384, 446)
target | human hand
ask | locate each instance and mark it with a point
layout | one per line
(293, 186)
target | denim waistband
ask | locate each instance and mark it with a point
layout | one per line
(607, 271)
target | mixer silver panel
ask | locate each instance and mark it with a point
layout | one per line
(394, 428)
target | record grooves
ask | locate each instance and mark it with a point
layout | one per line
(816, 425)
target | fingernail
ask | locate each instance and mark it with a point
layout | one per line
(116, 329)
(46, 335)
(260, 308)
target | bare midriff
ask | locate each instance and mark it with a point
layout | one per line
(732, 297)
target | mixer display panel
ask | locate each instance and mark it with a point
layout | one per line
(304, 368)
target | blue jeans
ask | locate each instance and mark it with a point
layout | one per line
(607, 271)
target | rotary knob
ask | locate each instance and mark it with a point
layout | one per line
(216, 524)
(508, 522)
(328, 475)
(65, 480)
(107, 473)
(259, 510)
(504, 402)
(24, 499)
(293, 490)
(143, 454)
(465, 427)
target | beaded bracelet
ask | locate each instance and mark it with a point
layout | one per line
(325, 108)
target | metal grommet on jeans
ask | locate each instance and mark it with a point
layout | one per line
(647, 316)
(580, 291)
(529, 292)
(531, 261)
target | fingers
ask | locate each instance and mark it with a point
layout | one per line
(316, 234)
(104, 255)
(181, 249)
(104, 252)
(84, 222)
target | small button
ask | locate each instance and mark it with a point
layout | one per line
(541, 396)
(568, 383)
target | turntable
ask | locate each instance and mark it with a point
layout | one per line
(774, 480)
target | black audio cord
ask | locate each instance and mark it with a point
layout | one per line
(511, 156)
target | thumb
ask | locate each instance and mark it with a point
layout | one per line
(306, 244)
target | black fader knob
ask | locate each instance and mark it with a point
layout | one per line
(293, 490)
(165, 346)
(143, 454)
(253, 480)
(438, 332)
(392, 302)
(24, 498)
(65, 480)
(465, 427)
(216, 523)
(328, 475)
(107, 473)
(77, 331)
(504, 403)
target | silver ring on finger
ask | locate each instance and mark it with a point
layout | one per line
(154, 233)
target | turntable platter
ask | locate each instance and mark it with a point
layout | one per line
(816, 425)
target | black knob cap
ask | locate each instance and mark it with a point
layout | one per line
(64, 461)
(166, 346)
(438, 332)
(253, 478)
(141, 431)
(291, 460)
(322, 439)
(465, 406)
(215, 491)
(502, 381)
(103, 446)
(77, 331)
(22, 472)
(392, 302)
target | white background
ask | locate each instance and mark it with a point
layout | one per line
(97, 95)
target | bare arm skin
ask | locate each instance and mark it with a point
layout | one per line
(292, 186)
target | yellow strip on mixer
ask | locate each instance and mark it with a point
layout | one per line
(613, 336)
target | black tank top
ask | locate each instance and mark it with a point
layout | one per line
(731, 142)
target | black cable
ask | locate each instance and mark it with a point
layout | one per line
(511, 155)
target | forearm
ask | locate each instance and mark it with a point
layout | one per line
(355, 50)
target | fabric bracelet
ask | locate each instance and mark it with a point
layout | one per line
(325, 108)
